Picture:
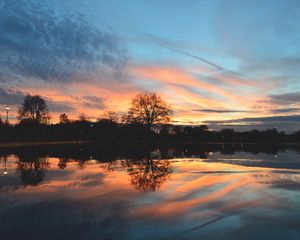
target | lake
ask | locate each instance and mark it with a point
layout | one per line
(195, 192)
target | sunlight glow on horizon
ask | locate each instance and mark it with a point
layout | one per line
(235, 64)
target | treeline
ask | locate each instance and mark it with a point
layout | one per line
(108, 131)
(146, 120)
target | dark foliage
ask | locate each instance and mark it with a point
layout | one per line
(108, 131)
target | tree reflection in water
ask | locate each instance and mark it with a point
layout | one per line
(32, 171)
(111, 166)
(148, 174)
(62, 164)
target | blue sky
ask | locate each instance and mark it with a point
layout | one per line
(221, 62)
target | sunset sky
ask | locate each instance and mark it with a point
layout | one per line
(225, 63)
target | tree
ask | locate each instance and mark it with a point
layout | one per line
(34, 108)
(82, 117)
(64, 119)
(149, 109)
(177, 130)
(111, 116)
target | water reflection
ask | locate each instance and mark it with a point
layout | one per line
(167, 193)
(63, 163)
(32, 172)
(5, 165)
(148, 168)
(148, 174)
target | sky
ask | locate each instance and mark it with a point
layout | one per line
(224, 63)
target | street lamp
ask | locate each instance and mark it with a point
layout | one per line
(7, 109)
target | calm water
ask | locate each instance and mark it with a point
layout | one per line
(200, 193)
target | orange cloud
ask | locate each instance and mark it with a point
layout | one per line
(178, 77)
(183, 89)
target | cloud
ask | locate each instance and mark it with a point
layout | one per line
(291, 118)
(15, 98)
(287, 98)
(11, 97)
(94, 102)
(177, 77)
(37, 42)
(284, 123)
(171, 47)
(220, 111)
(285, 110)
(59, 107)
(91, 101)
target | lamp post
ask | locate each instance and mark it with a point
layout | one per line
(7, 109)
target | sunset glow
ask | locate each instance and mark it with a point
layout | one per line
(220, 66)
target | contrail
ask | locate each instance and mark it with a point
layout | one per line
(165, 45)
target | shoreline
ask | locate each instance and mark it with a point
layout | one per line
(24, 144)
(28, 144)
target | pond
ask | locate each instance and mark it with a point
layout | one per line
(199, 192)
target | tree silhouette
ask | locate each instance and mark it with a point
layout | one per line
(148, 174)
(82, 117)
(111, 116)
(34, 108)
(149, 109)
(64, 119)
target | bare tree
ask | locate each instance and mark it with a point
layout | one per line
(111, 116)
(149, 108)
(64, 119)
(82, 117)
(34, 108)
